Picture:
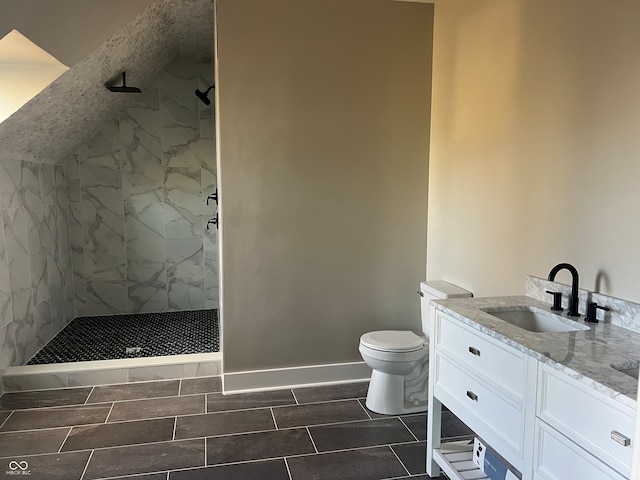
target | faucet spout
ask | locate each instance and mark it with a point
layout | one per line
(573, 301)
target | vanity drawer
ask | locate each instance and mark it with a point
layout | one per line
(504, 366)
(588, 417)
(558, 458)
(499, 421)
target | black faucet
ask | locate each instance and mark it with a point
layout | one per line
(573, 301)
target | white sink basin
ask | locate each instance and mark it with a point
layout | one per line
(535, 319)
(629, 368)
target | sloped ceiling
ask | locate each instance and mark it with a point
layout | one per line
(70, 110)
(25, 70)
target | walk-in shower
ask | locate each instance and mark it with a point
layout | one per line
(112, 337)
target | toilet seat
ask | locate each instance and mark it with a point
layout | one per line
(392, 341)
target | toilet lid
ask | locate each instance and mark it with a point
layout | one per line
(392, 340)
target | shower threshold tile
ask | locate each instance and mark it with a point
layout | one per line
(131, 391)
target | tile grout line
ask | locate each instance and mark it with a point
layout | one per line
(363, 408)
(113, 404)
(206, 464)
(175, 425)
(58, 407)
(294, 397)
(407, 427)
(86, 401)
(286, 464)
(180, 387)
(6, 419)
(338, 422)
(312, 442)
(65, 439)
(87, 465)
(398, 458)
(146, 419)
(275, 423)
(94, 424)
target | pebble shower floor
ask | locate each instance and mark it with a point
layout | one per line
(120, 336)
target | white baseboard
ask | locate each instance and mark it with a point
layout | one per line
(293, 377)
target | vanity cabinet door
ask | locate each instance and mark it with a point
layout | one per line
(558, 458)
(593, 421)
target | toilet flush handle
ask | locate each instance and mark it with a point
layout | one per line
(419, 292)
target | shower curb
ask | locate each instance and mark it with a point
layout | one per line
(106, 372)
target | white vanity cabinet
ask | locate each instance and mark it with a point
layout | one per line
(580, 430)
(486, 384)
(546, 424)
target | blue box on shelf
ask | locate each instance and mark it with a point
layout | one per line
(491, 464)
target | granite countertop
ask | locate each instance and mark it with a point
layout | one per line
(585, 355)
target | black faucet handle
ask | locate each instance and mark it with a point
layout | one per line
(557, 301)
(592, 308)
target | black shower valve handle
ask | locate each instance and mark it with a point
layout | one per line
(557, 301)
(213, 220)
(213, 196)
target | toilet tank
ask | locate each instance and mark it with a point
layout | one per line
(437, 290)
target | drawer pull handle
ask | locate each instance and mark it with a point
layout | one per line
(475, 351)
(620, 438)
(474, 397)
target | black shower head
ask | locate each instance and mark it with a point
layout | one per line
(123, 88)
(204, 96)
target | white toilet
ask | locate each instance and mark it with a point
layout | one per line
(399, 358)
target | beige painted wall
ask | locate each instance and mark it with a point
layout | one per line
(535, 143)
(324, 124)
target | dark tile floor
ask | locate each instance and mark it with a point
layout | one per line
(187, 430)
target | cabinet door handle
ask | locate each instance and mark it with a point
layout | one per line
(475, 351)
(619, 438)
(474, 397)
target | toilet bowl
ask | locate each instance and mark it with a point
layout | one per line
(399, 359)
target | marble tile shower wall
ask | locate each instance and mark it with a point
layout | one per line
(36, 285)
(137, 194)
